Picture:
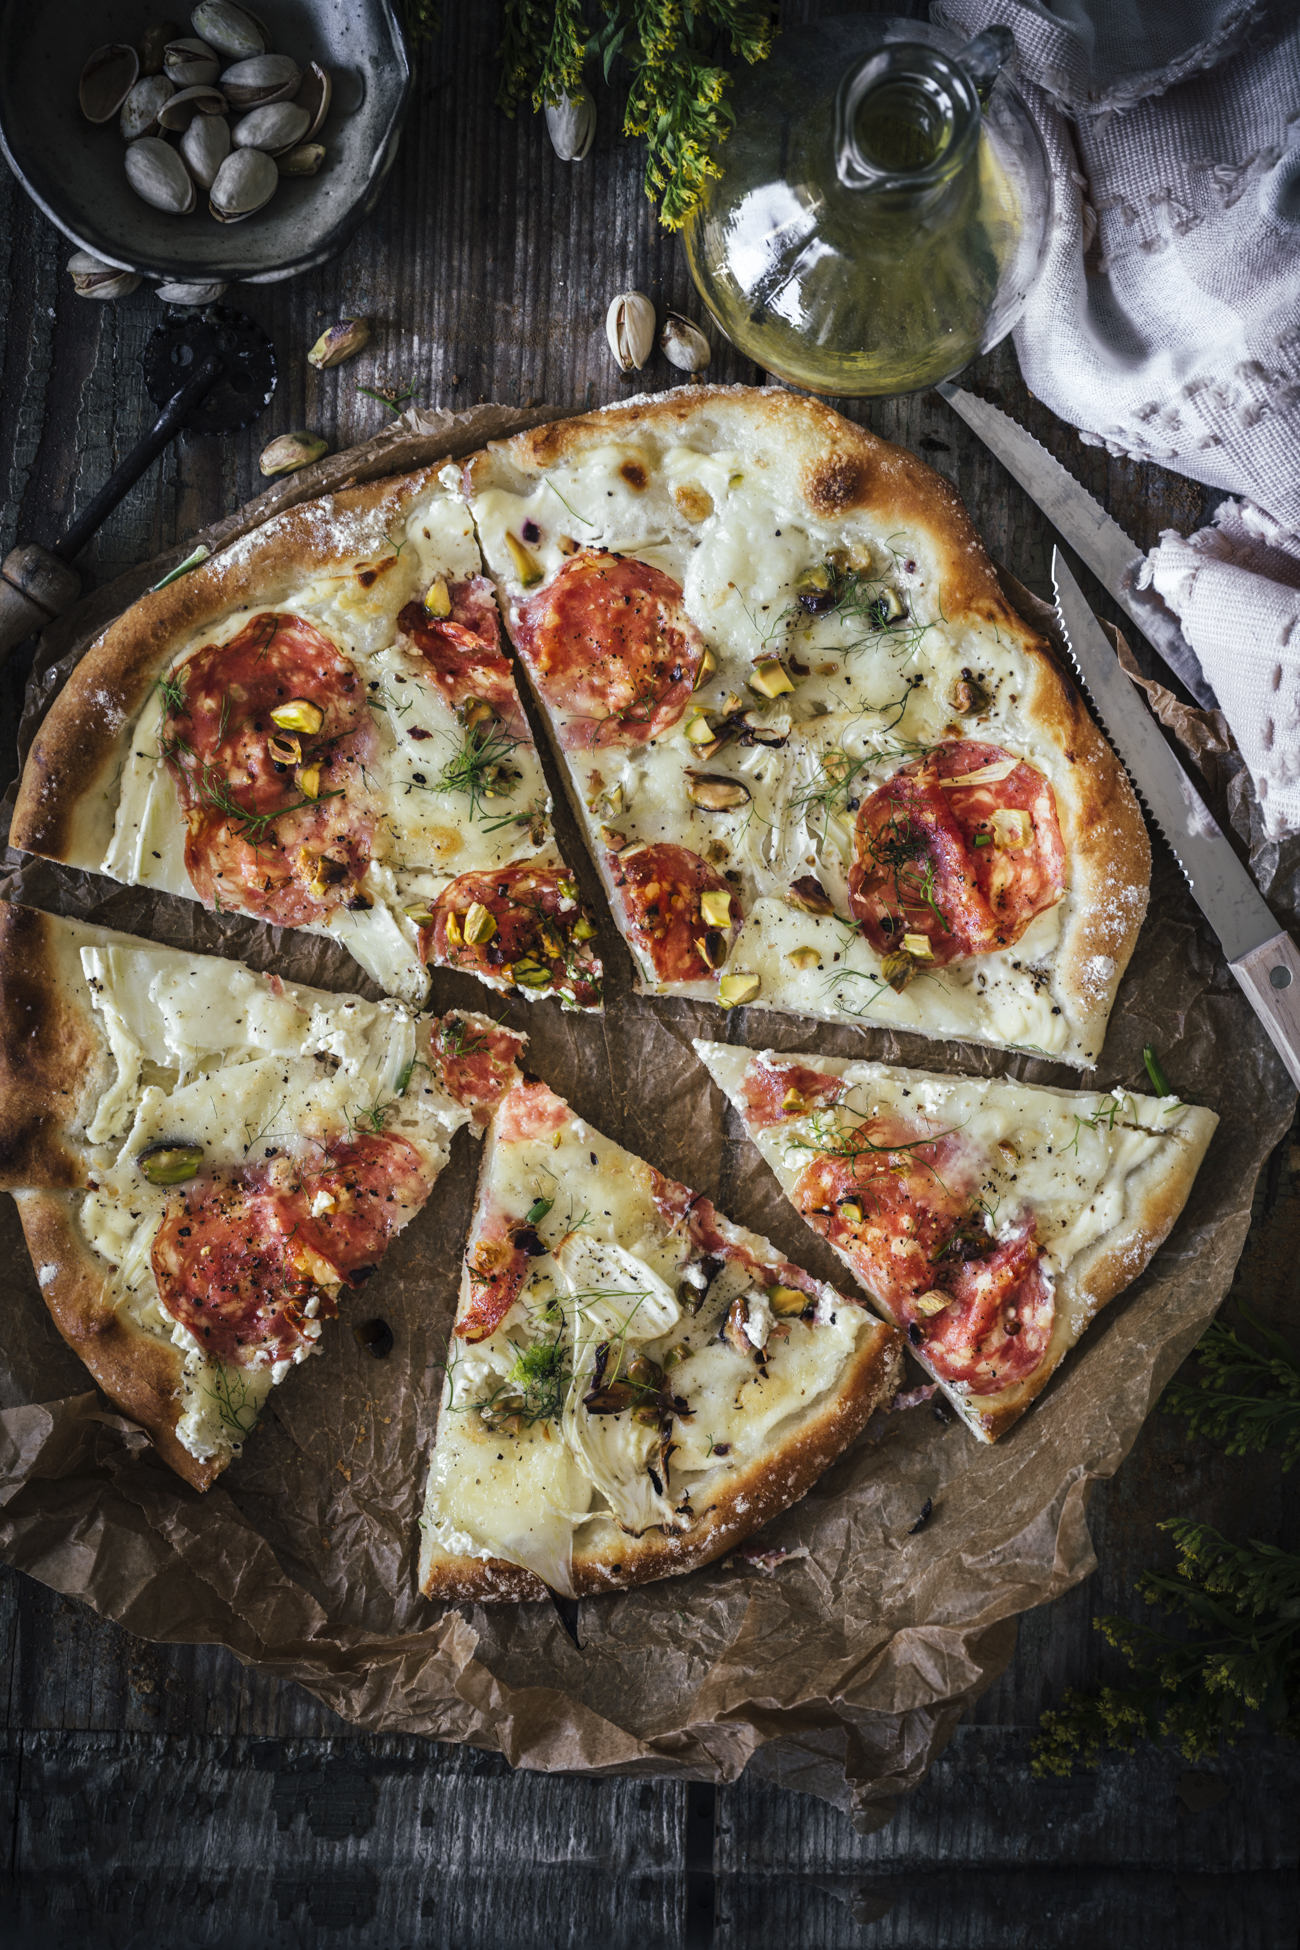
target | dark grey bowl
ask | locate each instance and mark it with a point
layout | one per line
(75, 172)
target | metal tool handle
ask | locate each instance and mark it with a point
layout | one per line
(37, 584)
(1270, 976)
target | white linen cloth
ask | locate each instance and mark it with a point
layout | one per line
(1166, 323)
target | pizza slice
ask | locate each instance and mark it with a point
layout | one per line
(319, 727)
(990, 1220)
(634, 1383)
(206, 1160)
(820, 762)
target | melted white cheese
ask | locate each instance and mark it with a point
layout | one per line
(427, 831)
(617, 1281)
(207, 1052)
(737, 536)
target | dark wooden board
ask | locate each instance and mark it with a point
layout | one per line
(163, 1794)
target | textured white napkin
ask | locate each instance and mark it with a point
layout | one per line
(1236, 589)
(1166, 323)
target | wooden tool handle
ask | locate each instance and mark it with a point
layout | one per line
(35, 587)
(1270, 975)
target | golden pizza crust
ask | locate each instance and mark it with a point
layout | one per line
(769, 1485)
(54, 1061)
(837, 469)
(140, 1373)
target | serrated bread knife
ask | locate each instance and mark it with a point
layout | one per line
(1114, 558)
(1262, 956)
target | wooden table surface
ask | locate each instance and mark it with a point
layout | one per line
(165, 1795)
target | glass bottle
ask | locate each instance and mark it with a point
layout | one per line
(883, 209)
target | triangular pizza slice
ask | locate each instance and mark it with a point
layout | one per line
(319, 727)
(987, 1219)
(205, 1160)
(634, 1383)
(990, 1220)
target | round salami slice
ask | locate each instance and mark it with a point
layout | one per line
(276, 819)
(661, 887)
(464, 658)
(497, 1267)
(474, 1061)
(999, 1324)
(611, 650)
(541, 938)
(958, 851)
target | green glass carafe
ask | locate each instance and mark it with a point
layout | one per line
(883, 208)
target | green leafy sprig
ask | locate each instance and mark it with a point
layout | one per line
(1246, 1398)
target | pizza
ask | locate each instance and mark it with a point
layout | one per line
(989, 1220)
(634, 1383)
(821, 764)
(208, 1162)
(319, 727)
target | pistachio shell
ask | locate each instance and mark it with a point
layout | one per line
(339, 342)
(315, 94)
(305, 160)
(92, 278)
(231, 30)
(266, 78)
(140, 109)
(205, 146)
(189, 63)
(277, 128)
(158, 176)
(245, 181)
(630, 329)
(152, 45)
(189, 104)
(106, 80)
(290, 451)
(684, 345)
(190, 294)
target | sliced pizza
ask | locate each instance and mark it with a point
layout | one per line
(821, 764)
(205, 1160)
(990, 1220)
(634, 1384)
(319, 727)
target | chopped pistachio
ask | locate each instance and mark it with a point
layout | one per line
(934, 1301)
(438, 599)
(169, 1164)
(918, 947)
(770, 678)
(583, 930)
(786, 1300)
(478, 926)
(699, 731)
(422, 916)
(794, 1102)
(283, 751)
(802, 958)
(851, 1210)
(715, 907)
(308, 777)
(708, 665)
(527, 567)
(735, 990)
(299, 714)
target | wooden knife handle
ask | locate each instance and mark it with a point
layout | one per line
(35, 587)
(1270, 975)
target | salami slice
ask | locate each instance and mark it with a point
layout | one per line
(541, 938)
(464, 658)
(286, 838)
(775, 1092)
(908, 1220)
(956, 854)
(474, 1062)
(611, 650)
(249, 1261)
(661, 887)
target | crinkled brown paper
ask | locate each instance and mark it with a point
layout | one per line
(846, 1670)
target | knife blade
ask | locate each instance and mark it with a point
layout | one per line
(1113, 556)
(1262, 956)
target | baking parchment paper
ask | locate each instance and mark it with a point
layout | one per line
(845, 1670)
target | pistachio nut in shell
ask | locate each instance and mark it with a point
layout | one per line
(277, 128)
(630, 329)
(191, 294)
(205, 146)
(140, 109)
(92, 278)
(305, 160)
(190, 63)
(289, 451)
(267, 78)
(571, 124)
(181, 109)
(230, 29)
(106, 80)
(152, 45)
(159, 177)
(684, 345)
(315, 92)
(246, 180)
(342, 341)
